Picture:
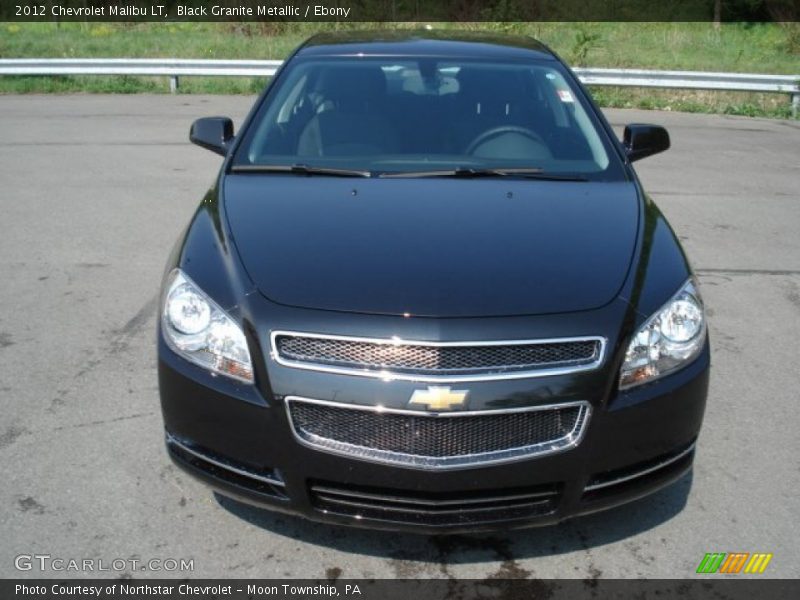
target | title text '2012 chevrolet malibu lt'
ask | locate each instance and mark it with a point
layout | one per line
(427, 291)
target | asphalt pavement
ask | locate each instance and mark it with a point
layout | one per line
(96, 189)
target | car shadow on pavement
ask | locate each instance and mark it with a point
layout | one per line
(581, 533)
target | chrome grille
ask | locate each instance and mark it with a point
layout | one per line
(436, 440)
(439, 361)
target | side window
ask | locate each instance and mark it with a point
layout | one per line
(273, 135)
(292, 100)
(570, 114)
(553, 104)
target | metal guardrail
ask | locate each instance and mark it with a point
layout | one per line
(176, 68)
(157, 67)
(696, 80)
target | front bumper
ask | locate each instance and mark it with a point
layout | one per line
(237, 439)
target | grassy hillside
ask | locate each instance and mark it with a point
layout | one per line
(759, 48)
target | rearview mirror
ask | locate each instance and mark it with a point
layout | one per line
(212, 133)
(641, 141)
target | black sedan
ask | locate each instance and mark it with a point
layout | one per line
(427, 291)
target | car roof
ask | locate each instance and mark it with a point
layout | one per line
(425, 43)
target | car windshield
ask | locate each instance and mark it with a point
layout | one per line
(426, 116)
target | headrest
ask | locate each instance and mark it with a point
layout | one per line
(488, 83)
(353, 82)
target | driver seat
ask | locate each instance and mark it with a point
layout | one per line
(350, 120)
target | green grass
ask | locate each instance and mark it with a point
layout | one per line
(757, 48)
(745, 104)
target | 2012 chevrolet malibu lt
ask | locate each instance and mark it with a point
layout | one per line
(427, 291)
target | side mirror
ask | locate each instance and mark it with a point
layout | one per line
(212, 133)
(641, 141)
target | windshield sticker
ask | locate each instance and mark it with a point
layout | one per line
(566, 96)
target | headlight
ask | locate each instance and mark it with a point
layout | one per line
(200, 331)
(667, 341)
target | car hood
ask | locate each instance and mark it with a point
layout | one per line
(433, 247)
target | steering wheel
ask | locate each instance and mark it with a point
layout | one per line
(502, 130)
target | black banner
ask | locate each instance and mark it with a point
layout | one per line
(399, 10)
(731, 588)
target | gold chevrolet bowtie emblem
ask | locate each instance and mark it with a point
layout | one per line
(439, 398)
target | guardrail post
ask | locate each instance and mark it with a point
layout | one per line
(173, 84)
(795, 104)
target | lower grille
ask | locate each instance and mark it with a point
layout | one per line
(436, 440)
(265, 482)
(638, 475)
(426, 508)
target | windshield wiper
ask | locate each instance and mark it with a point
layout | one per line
(300, 169)
(526, 172)
(461, 172)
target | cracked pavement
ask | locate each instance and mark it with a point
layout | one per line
(96, 190)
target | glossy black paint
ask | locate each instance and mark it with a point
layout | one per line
(462, 44)
(212, 133)
(465, 260)
(642, 141)
(430, 247)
